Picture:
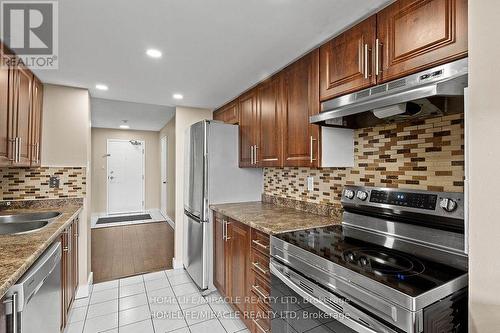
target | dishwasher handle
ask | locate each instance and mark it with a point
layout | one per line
(12, 311)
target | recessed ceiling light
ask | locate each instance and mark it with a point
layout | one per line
(101, 86)
(177, 96)
(124, 125)
(153, 53)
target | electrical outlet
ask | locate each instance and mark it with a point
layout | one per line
(310, 183)
(54, 182)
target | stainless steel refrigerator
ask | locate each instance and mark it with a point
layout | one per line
(212, 177)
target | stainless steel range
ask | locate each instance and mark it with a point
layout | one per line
(396, 264)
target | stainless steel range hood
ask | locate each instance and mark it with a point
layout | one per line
(445, 80)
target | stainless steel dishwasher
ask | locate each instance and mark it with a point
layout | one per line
(33, 304)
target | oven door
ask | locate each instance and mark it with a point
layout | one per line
(300, 305)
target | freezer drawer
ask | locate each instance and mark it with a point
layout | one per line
(196, 250)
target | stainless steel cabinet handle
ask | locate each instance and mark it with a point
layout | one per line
(260, 269)
(13, 151)
(261, 294)
(37, 152)
(258, 243)
(227, 237)
(378, 44)
(256, 322)
(311, 147)
(65, 249)
(365, 58)
(255, 154)
(251, 154)
(19, 149)
(223, 230)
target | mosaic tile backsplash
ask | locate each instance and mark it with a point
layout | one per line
(425, 155)
(33, 183)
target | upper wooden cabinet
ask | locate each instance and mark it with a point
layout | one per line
(300, 101)
(36, 122)
(21, 103)
(268, 151)
(249, 129)
(22, 113)
(347, 61)
(404, 38)
(419, 34)
(228, 113)
(6, 135)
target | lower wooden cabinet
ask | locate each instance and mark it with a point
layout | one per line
(69, 269)
(241, 270)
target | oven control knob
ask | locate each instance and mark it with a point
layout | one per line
(362, 195)
(448, 205)
(363, 261)
(349, 194)
(350, 256)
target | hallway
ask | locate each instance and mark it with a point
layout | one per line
(127, 250)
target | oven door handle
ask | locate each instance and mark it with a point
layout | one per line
(341, 317)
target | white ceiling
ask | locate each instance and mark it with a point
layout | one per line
(212, 50)
(147, 117)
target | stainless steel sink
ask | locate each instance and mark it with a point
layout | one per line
(21, 227)
(28, 217)
(25, 222)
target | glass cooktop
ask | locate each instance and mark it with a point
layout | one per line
(404, 272)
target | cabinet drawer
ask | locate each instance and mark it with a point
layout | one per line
(261, 319)
(260, 241)
(260, 290)
(259, 263)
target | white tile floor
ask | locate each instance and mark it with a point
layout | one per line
(160, 302)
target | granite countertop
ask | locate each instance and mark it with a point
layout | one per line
(19, 252)
(272, 219)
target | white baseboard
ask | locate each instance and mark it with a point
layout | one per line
(177, 264)
(170, 221)
(85, 290)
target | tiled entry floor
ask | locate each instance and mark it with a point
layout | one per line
(165, 301)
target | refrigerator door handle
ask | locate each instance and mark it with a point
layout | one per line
(194, 217)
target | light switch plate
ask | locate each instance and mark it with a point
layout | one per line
(310, 183)
(54, 182)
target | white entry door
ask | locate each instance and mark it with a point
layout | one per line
(164, 179)
(125, 176)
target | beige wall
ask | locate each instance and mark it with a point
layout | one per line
(184, 117)
(169, 132)
(484, 159)
(99, 172)
(66, 142)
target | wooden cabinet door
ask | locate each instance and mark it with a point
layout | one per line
(219, 254)
(247, 106)
(228, 113)
(74, 257)
(420, 34)
(22, 112)
(268, 152)
(347, 62)
(237, 254)
(36, 124)
(6, 131)
(69, 269)
(300, 101)
(64, 278)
